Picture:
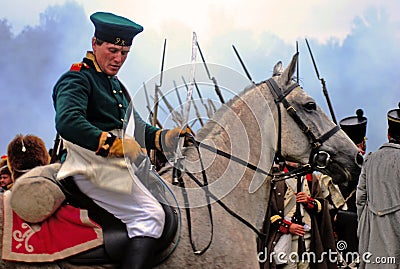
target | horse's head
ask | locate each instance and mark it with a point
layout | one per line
(306, 134)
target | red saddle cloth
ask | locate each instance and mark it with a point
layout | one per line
(67, 232)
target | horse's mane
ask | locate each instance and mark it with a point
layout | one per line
(212, 125)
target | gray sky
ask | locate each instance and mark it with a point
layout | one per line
(355, 44)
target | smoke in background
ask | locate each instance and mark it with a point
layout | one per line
(31, 63)
(361, 72)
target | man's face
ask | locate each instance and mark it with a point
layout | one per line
(110, 57)
(5, 179)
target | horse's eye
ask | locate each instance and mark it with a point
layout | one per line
(310, 106)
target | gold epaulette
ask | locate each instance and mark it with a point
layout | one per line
(78, 66)
(275, 218)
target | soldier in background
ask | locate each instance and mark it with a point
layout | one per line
(6, 181)
(356, 127)
(378, 195)
(345, 221)
(297, 208)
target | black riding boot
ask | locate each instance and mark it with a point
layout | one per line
(139, 253)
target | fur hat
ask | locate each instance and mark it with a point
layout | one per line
(34, 195)
(25, 153)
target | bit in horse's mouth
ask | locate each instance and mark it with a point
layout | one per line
(337, 173)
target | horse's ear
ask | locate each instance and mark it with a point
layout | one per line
(278, 69)
(289, 71)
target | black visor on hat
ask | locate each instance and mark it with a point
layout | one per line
(355, 126)
(114, 29)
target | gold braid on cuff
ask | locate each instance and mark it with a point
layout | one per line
(157, 140)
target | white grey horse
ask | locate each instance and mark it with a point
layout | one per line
(251, 127)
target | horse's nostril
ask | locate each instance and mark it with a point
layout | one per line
(359, 159)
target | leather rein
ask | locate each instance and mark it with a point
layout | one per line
(314, 161)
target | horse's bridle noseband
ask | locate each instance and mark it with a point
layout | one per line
(318, 159)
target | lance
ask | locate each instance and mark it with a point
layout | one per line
(202, 101)
(56, 148)
(211, 104)
(194, 104)
(157, 122)
(160, 106)
(216, 87)
(298, 219)
(297, 63)
(179, 97)
(157, 86)
(151, 118)
(180, 103)
(193, 123)
(177, 168)
(176, 117)
(244, 67)
(325, 91)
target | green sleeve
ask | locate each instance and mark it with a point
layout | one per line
(71, 96)
(144, 132)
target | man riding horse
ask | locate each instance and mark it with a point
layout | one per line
(91, 104)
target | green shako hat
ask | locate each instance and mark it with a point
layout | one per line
(355, 126)
(393, 117)
(115, 29)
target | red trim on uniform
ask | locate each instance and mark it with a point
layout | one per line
(284, 226)
(285, 170)
(76, 67)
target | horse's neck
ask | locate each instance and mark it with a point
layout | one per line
(245, 126)
(245, 129)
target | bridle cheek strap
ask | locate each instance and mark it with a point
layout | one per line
(328, 134)
(280, 97)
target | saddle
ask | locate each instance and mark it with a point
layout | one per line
(114, 231)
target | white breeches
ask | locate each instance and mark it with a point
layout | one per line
(140, 211)
(295, 262)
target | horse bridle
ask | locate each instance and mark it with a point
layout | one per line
(318, 158)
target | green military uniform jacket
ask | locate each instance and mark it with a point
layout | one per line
(88, 102)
